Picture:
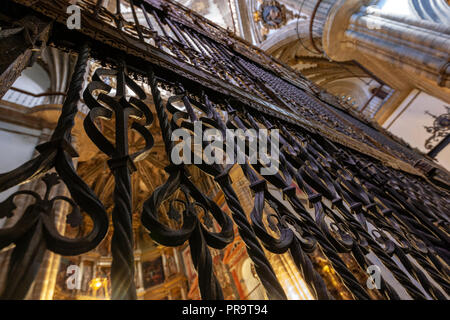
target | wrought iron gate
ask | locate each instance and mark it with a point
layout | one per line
(366, 192)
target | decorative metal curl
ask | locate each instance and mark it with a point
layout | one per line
(121, 163)
(192, 229)
(247, 233)
(440, 128)
(34, 233)
(58, 154)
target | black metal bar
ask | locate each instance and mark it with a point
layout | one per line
(136, 21)
(439, 147)
(359, 203)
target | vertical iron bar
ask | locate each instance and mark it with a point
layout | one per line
(27, 256)
(150, 25)
(122, 244)
(98, 5)
(136, 21)
(147, 18)
(118, 16)
(441, 146)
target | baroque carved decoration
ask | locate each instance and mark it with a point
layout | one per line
(440, 128)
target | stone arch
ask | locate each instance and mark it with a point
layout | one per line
(351, 87)
(35, 80)
(287, 36)
(432, 10)
(251, 282)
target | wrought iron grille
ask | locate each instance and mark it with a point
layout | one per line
(365, 197)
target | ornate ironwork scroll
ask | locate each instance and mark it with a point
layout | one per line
(35, 231)
(440, 132)
(342, 226)
(255, 251)
(192, 229)
(440, 128)
(121, 162)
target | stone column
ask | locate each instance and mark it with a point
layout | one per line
(164, 262)
(177, 261)
(140, 275)
(22, 202)
(403, 50)
(44, 284)
(415, 46)
(183, 293)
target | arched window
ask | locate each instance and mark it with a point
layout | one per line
(32, 82)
